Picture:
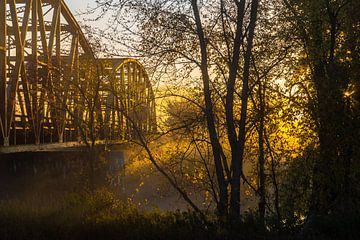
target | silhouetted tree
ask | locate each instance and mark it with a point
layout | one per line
(328, 30)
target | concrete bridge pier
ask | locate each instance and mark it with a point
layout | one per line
(6, 142)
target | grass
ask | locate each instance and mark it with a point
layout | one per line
(100, 215)
(97, 216)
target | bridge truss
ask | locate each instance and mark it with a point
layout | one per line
(54, 89)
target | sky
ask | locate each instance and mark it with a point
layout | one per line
(79, 5)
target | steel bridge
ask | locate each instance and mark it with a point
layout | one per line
(54, 89)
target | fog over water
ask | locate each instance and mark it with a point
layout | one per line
(40, 178)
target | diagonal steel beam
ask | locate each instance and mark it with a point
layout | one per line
(19, 41)
(3, 61)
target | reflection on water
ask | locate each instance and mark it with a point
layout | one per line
(116, 173)
(54, 174)
(50, 177)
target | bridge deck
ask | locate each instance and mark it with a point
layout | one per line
(51, 147)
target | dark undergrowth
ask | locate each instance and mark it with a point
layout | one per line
(96, 216)
(101, 216)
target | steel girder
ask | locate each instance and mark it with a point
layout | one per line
(129, 99)
(46, 68)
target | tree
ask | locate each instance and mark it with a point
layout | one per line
(218, 41)
(327, 30)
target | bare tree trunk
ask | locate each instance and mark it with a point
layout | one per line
(236, 156)
(261, 157)
(274, 180)
(237, 163)
(210, 119)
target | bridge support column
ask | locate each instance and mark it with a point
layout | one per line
(6, 142)
(61, 137)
